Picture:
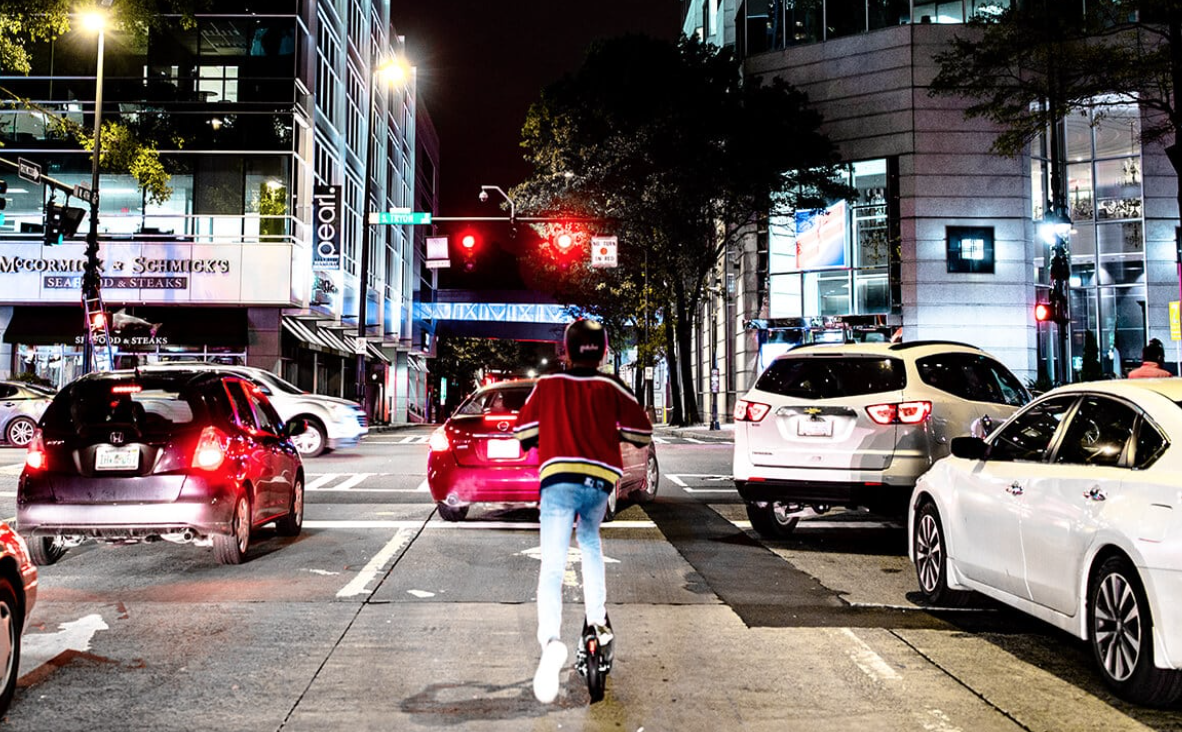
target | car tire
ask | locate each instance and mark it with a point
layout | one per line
(311, 442)
(293, 522)
(12, 618)
(45, 550)
(1120, 632)
(652, 478)
(231, 548)
(929, 546)
(613, 504)
(452, 513)
(20, 431)
(771, 521)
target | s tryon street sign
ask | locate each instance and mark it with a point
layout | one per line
(400, 216)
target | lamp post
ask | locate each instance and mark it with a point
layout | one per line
(512, 205)
(94, 21)
(1055, 229)
(394, 71)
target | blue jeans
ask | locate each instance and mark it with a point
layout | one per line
(561, 502)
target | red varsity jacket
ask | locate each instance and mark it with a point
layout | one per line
(577, 419)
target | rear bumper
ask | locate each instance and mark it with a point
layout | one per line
(204, 507)
(460, 485)
(834, 493)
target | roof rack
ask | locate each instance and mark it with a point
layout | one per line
(917, 344)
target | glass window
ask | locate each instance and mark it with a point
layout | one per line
(1028, 437)
(268, 418)
(1117, 131)
(1148, 446)
(1098, 433)
(942, 11)
(242, 406)
(972, 377)
(1080, 200)
(832, 377)
(845, 18)
(1126, 237)
(217, 84)
(887, 13)
(1118, 188)
(802, 21)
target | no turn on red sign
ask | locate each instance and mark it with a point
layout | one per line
(603, 251)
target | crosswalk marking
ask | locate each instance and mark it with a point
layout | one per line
(323, 483)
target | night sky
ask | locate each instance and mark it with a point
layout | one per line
(480, 66)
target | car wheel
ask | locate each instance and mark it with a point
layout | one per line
(452, 513)
(291, 524)
(772, 521)
(46, 550)
(652, 478)
(12, 618)
(613, 503)
(1120, 631)
(231, 548)
(20, 431)
(311, 442)
(931, 559)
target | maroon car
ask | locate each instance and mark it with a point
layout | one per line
(184, 456)
(474, 457)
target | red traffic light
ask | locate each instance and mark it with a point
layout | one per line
(1043, 312)
(468, 241)
(564, 241)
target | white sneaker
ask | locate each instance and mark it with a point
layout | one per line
(546, 679)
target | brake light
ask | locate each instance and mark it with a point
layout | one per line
(35, 457)
(746, 411)
(439, 441)
(491, 417)
(126, 389)
(901, 413)
(211, 449)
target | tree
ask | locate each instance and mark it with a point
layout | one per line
(128, 146)
(1037, 60)
(674, 153)
(463, 361)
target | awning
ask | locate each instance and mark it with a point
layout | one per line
(302, 333)
(334, 341)
(143, 325)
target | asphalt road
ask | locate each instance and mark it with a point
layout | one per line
(381, 616)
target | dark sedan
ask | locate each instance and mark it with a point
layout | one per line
(185, 456)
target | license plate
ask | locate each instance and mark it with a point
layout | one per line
(814, 428)
(109, 457)
(504, 449)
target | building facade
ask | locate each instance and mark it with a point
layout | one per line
(280, 138)
(940, 240)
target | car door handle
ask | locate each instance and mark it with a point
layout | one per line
(1015, 489)
(1096, 494)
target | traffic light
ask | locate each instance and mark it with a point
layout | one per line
(564, 242)
(98, 323)
(1043, 312)
(468, 245)
(60, 222)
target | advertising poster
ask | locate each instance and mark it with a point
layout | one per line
(821, 237)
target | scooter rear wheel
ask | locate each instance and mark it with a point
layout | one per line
(596, 679)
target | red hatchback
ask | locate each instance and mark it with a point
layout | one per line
(474, 457)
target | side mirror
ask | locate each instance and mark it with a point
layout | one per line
(295, 427)
(969, 448)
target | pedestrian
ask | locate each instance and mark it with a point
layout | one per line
(576, 418)
(1153, 356)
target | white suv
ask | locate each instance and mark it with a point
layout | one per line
(333, 423)
(855, 424)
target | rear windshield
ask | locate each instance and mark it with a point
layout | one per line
(151, 405)
(509, 399)
(830, 377)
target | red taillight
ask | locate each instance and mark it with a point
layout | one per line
(126, 389)
(211, 449)
(902, 412)
(746, 411)
(35, 458)
(439, 441)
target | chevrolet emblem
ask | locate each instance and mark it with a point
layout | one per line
(813, 410)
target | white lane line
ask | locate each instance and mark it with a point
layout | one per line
(687, 489)
(660, 440)
(41, 648)
(693, 440)
(321, 480)
(866, 659)
(351, 481)
(817, 524)
(357, 585)
(676, 480)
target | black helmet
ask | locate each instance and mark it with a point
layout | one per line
(586, 342)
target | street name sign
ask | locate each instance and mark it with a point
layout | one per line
(84, 192)
(400, 216)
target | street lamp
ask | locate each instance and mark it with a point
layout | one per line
(512, 206)
(1055, 230)
(394, 71)
(94, 21)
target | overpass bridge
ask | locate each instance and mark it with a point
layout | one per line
(521, 315)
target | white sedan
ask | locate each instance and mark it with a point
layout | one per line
(1072, 512)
